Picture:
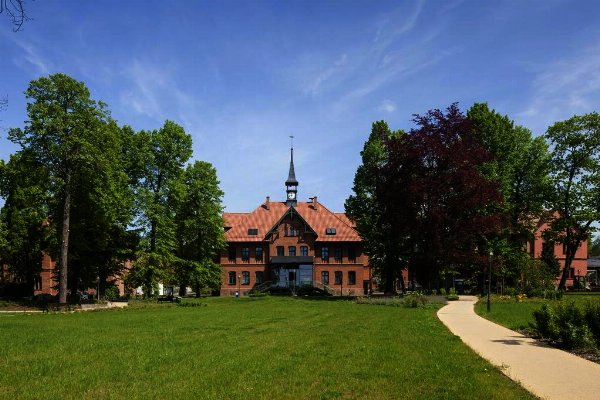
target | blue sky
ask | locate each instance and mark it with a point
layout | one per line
(242, 76)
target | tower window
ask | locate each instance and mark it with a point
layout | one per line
(330, 231)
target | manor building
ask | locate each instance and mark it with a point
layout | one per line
(293, 244)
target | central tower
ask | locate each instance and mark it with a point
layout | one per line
(291, 183)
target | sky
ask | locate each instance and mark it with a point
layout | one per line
(241, 77)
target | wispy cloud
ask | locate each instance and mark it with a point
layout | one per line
(153, 91)
(31, 55)
(563, 88)
(387, 106)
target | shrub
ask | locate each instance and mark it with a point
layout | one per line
(452, 295)
(112, 293)
(564, 323)
(415, 300)
(592, 318)
(443, 292)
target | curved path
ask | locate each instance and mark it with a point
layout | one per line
(543, 370)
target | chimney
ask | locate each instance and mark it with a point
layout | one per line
(314, 199)
(268, 203)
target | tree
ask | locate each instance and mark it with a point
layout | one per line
(157, 161)
(365, 208)
(24, 186)
(199, 221)
(520, 166)
(437, 194)
(65, 133)
(575, 177)
(15, 9)
(594, 249)
(101, 213)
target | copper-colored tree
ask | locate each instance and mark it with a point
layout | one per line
(437, 198)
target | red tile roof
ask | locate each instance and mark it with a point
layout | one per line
(263, 220)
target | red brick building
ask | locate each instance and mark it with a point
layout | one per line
(579, 264)
(293, 244)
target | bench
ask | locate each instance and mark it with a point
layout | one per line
(55, 307)
(165, 299)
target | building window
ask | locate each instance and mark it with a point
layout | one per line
(297, 232)
(259, 277)
(337, 253)
(232, 278)
(292, 251)
(232, 255)
(245, 253)
(280, 250)
(285, 231)
(245, 278)
(252, 231)
(304, 251)
(325, 277)
(330, 231)
(351, 277)
(258, 254)
(338, 277)
(351, 254)
(325, 253)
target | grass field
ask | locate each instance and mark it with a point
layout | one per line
(518, 316)
(247, 348)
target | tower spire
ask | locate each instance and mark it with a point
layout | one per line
(291, 183)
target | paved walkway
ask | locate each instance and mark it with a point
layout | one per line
(543, 370)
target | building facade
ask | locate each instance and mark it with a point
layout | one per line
(579, 266)
(293, 244)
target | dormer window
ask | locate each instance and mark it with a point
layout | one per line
(330, 231)
(252, 231)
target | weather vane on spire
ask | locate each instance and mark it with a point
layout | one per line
(292, 140)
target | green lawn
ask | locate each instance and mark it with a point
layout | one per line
(247, 348)
(518, 316)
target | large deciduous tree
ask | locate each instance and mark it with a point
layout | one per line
(15, 10)
(24, 186)
(199, 227)
(436, 192)
(65, 132)
(575, 174)
(366, 208)
(520, 166)
(158, 158)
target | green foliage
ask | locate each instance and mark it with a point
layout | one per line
(592, 318)
(443, 292)
(67, 136)
(564, 323)
(415, 300)
(191, 304)
(452, 295)
(112, 293)
(594, 247)
(575, 174)
(366, 209)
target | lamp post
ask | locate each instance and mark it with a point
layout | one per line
(240, 285)
(490, 258)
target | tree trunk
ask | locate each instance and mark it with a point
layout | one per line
(182, 289)
(64, 245)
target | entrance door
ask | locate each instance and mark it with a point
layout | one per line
(292, 278)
